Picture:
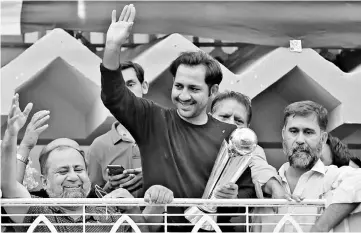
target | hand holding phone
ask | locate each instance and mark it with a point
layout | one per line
(114, 170)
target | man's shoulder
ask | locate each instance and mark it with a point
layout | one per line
(102, 141)
(221, 125)
(334, 172)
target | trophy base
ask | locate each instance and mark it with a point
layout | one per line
(194, 214)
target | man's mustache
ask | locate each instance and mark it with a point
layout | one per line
(301, 148)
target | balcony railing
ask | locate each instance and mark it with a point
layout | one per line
(247, 216)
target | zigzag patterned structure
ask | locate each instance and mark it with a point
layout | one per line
(60, 74)
(278, 77)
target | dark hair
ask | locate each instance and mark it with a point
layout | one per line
(138, 69)
(241, 98)
(356, 159)
(340, 152)
(213, 69)
(45, 152)
(305, 108)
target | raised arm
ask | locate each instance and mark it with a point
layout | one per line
(10, 187)
(134, 113)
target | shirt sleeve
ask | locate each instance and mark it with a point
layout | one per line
(94, 167)
(133, 112)
(347, 187)
(261, 170)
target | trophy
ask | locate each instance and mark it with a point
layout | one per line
(232, 160)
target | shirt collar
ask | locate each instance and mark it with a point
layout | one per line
(282, 171)
(318, 167)
(118, 132)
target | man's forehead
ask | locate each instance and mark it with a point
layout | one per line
(303, 121)
(129, 74)
(65, 157)
(191, 74)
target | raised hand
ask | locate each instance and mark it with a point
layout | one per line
(17, 118)
(119, 31)
(35, 128)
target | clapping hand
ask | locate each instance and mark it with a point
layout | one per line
(17, 118)
(35, 128)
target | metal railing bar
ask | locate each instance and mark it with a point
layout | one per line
(176, 201)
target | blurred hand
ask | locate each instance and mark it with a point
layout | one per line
(122, 193)
(119, 31)
(17, 118)
(137, 181)
(227, 191)
(35, 128)
(158, 194)
(278, 192)
(119, 193)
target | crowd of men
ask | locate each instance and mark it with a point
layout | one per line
(170, 152)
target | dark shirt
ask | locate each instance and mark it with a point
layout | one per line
(175, 153)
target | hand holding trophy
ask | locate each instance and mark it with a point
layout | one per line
(232, 160)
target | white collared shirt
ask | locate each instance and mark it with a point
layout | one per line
(336, 185)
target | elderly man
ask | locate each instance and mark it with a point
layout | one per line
(304, 135)
(64, 175)
(235, 108)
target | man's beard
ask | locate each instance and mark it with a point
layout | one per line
(81, 193)
(302, 156)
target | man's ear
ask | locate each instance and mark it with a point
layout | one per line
(44, 181)
(145, 87)
(214, 90)
(324, 137)
(283, 133)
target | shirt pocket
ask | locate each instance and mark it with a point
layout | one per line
(136, 156)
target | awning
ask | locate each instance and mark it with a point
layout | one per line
(317, 24)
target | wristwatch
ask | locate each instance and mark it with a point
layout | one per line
(22, 159)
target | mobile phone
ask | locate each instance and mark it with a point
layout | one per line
(115, 169)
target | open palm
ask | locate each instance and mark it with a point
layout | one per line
(17, 118)
(119, 31)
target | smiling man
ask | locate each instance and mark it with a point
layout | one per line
(64, 175)
(178, 146)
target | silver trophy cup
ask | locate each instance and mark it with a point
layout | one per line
(232, 160)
